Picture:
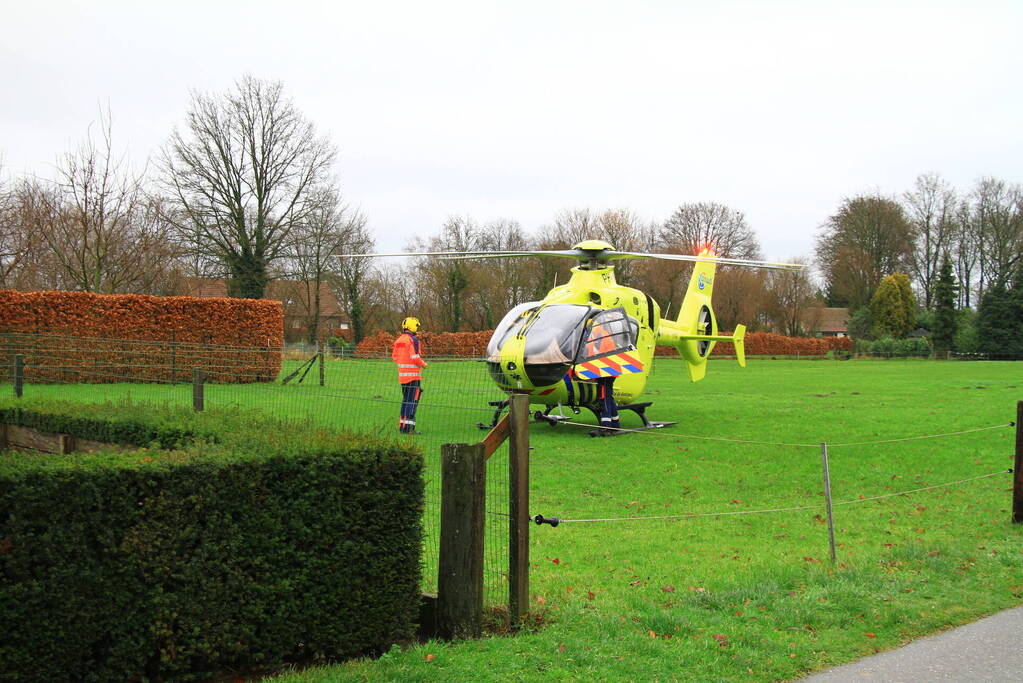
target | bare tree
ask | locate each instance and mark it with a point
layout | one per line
(694, 227)
(326, 231)
(242, 174)
(793, 301)
(102, 231)
(623, 229)
(966, 251)
(930, 208)
(447, 284)
(501, 283)
(867, 239)
(740, 296)
(15, 240)
(998, 220)
(352, 279)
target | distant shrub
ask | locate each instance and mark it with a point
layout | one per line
(887, 347)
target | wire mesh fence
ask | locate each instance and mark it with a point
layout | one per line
(322, 389)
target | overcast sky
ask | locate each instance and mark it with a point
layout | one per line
(518, 109)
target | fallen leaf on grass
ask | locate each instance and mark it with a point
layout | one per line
(668, 589)
(721, 638)
(871, 635)
(429, 658)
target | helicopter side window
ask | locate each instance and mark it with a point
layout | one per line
(511, 323)
(608, 332)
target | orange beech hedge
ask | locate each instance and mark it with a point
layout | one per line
(458, 344)
(100, 338)
(771, 344)
(474, 344)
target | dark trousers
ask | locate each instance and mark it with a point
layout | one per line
(608, 406)
(410, 393)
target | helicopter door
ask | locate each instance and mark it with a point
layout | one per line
(607, 347)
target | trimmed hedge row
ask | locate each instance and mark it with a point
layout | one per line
(456, 344)
(102, 338)
(271, 546)
(474, 344)
(770, 344)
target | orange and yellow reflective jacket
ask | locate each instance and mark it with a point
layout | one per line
(406, 355)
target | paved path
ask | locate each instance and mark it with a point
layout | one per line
(987, 650)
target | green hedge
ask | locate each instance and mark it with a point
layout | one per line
(887, 347)
(268, 544)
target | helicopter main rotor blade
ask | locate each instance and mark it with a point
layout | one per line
(590, 255)
(511, 254)
(770, 265)
(568, 253)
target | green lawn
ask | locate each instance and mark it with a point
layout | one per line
(741, 596)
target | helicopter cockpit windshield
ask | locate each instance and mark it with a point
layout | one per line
(552, 334)
(554, 337)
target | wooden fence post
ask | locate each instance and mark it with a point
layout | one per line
(19, 375)
(460, 570)
(198, 398)
(1017, 470)
(320, 346)
(518, 509)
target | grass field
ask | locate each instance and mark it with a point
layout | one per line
(731, 597)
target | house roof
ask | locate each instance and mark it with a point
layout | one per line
(830, 319)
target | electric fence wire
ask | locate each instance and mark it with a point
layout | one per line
(673, 435)
(734, 513)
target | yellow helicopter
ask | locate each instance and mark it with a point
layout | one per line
(555, 349)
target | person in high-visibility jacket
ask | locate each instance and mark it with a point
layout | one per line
(407, 354)
(601, 341)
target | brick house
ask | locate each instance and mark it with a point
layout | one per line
(826, 322)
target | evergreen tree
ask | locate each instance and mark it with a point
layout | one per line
(893, 306)
(944, 299)
(1016, 311)
(998, 322)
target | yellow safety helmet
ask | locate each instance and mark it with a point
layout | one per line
(411, 324)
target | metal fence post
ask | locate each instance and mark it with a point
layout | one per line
(460, 564)
(518, 509)
(198, 397)
(1017, 470)
(320, 346)
(827, 500)
(18, 375)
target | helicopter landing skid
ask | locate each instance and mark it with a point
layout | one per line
(539, 416)
(639, 409)
(500, 406)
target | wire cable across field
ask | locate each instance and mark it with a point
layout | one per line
(672, 435)
(733, 513)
